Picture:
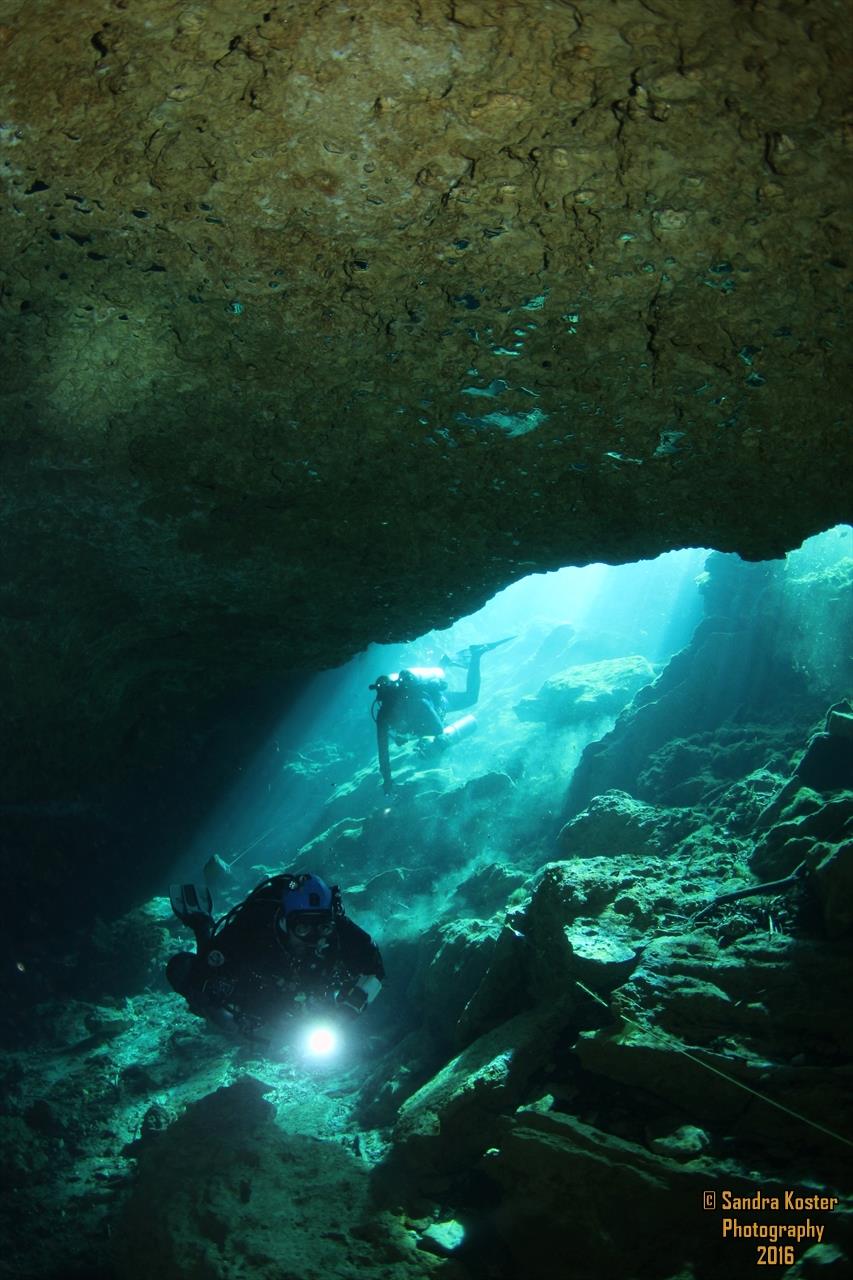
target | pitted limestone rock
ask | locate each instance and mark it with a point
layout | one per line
(253, 273)
(615, 823)
(588, 691)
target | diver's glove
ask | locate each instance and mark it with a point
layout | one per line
(431, 748)
(388, 787)
(350, 1003)
(354, 999)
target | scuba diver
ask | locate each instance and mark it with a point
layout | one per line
(287, 948)
(414, 703)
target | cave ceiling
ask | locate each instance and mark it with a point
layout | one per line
(323, 321)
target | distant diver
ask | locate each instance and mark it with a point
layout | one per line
(414, 703)
(287, 949)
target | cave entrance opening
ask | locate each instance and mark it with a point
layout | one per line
(584, 642)
(323, 751)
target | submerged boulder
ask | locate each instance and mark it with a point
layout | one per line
(810, 820)
(834, 885)
(488, 888)
(739, 806)
(702, 1020)
(452, 1119)
(825, 766)
(697, 769)
(616, 823)
(586, 691)
(565, 942)
(600, 957)
(807, 821)
(224, 1192)
(603, 1205)
(462, 954)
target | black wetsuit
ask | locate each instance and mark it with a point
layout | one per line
(246, 969)
(415, 706)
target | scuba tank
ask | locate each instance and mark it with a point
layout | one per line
(456, 732)
(428, 675)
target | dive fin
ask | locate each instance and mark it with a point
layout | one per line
(190, 900)
(473, 649)
(494, 644)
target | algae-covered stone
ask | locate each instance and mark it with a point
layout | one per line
(566, 943)
(694, 769)
(741, 804)
(488, 888)
(451, 1119)
(459, 963)
(583, 692)
(684, 1143)
(834, 883)
(616, 823)
(489, 786)
(582, 1202)
(223, 1190)
(599, 956)
(806, 821)
(748, 1011)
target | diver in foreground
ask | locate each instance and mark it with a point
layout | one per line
(287, 949)
(415, 703)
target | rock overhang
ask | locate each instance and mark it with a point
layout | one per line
(322, 326)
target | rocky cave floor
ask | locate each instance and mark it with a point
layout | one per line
(564, 1058)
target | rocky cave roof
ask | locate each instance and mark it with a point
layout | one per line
(322, 323)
